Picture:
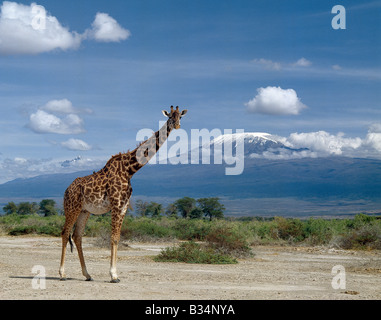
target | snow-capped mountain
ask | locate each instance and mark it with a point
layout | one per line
(68, 163)
(256, 145)
(277, 179)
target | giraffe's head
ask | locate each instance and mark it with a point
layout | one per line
(175, 116)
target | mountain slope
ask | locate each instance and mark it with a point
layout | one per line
(320, 178)
(323, 180)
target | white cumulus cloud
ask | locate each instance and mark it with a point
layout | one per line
(59, 106)
(44, 122)
(30, 29)
(76, 144)
(275, 101)
(107, 29)
(63, 106)
(57, 116)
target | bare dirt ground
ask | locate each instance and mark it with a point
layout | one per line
(273, 273)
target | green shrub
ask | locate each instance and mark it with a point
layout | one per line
(361, 220)
(21, 230)
(51, 230)
(365, 237)
(145, 228)
(232, 237)
(227, 238)
(288, 229)
(318, 231)
(263, 230)
(191, 252)
(191, 229)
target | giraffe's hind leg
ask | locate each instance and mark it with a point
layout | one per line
(68, 226)
(77, 237)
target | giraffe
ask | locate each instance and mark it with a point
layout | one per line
(109, 189)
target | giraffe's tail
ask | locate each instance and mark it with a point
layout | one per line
(71, 243)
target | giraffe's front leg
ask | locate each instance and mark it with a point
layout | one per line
(117, 220)
(113, 274)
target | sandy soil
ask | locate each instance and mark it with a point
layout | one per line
(273, 273)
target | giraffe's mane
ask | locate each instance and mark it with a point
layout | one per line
(118, 156)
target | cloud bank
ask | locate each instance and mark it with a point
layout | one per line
(30, 29)
(322, 144)
(275, 101)
(26, 168)
(297, 145)
(373, 138)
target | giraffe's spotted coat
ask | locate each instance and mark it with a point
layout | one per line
(107, 190)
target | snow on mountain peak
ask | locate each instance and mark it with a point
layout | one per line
(249, 137)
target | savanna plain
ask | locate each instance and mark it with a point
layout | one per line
(256, 259)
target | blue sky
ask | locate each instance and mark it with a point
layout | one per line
(234, 64)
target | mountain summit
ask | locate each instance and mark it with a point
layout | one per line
(256, 144)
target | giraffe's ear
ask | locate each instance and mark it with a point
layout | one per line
(184, 112)
(165, 113)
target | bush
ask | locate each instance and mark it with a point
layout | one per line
(191, 252)
(318, 231)
(145, 229)
(21, 230)
(366, 237)
(227, 239)
(232, 237)
(192, 229)
(288, 229)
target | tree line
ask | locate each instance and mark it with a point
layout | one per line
(46, 207)
(185, 207)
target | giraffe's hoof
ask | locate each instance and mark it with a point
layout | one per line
(63, 279)
(90, 279)
(115, 280)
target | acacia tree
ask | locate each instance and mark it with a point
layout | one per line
(10, 208)
(171, 211)
(196, 213)
(48, 207)
(27, 208)
(185, 206)
(141, 207)
(154, 209)
(211, 207)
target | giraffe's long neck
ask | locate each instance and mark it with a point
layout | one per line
(148, 148)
